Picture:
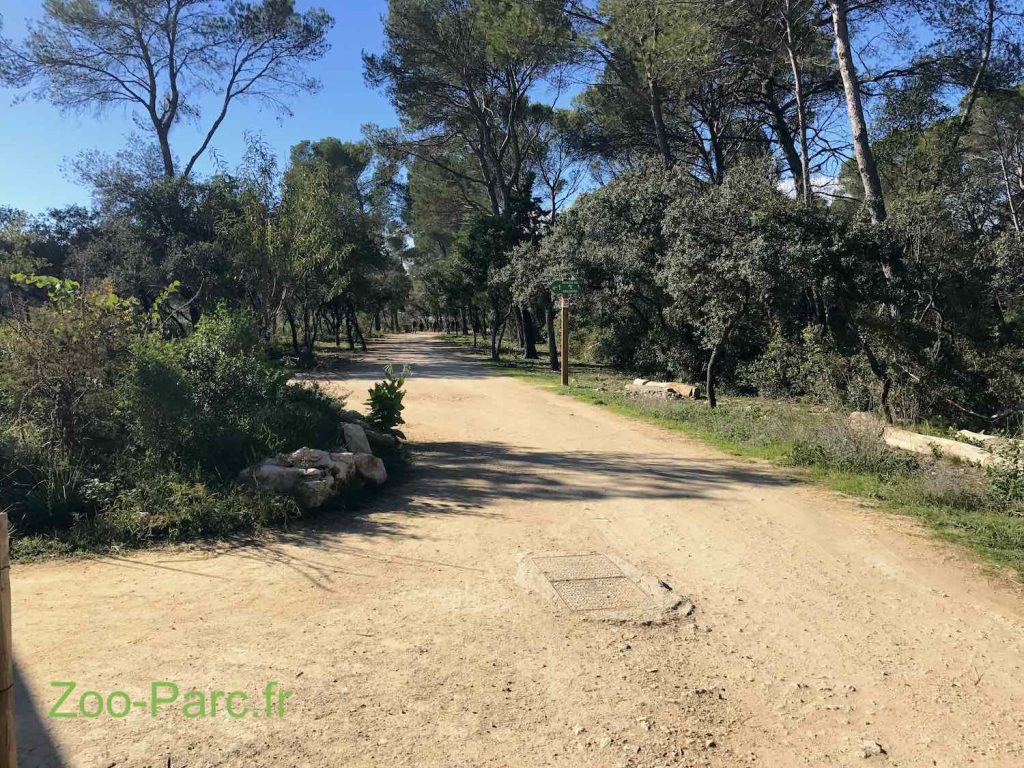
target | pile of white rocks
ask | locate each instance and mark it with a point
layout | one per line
(315, 476)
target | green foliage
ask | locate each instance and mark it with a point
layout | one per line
(172, 508)
(132, 53)
(213, 403)
(59, 365)
(833, 445)
(385, 402)
(114, 434)
(1006, 476)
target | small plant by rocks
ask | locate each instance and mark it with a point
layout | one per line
(385, 402)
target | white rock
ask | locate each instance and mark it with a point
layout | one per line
(355, 439)
(342, 465)
(272, 475)
(371, 468)
(313, 476)
(315, 489)
(307, 457)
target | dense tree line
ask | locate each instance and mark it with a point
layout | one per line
(791, 197)
(741, 185)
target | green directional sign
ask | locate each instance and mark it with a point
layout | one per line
(565, 286)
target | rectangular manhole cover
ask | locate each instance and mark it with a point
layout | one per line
(563, 567)
(591, 582)
(611, 594)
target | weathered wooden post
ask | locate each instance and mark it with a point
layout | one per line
(563, 289)
(565, 341)
(8, 750)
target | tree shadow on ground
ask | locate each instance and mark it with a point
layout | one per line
(463, 478)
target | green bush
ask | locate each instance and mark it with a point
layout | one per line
(214, 403)
(385, 403)
(1006, 477)
(112, 434)
(170, 507)
(59, 364)
(39, 488)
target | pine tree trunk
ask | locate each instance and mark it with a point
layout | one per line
(855, 110)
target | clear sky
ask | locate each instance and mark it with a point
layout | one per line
(36, 139)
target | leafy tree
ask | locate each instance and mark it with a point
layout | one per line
(734, 252)
(460, 74)
(161, 59)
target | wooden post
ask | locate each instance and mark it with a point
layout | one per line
(565, 341)
(8, 751)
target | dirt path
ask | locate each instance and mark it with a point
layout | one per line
(819, 625)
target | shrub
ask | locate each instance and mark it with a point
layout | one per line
(39, 488)
(1006, 477)
(832, 444)
(214, 403)
(385, 402)
(174, 508)
(112, 434)
(58, 366)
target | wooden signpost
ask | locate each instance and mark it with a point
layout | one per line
(564, 289)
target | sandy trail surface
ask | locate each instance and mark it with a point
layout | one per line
(405, 639)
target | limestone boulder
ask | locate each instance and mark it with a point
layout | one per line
(355, 439)
(669, 390)
(914, 442)
(370, 468)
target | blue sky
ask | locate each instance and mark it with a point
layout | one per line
(36, 139)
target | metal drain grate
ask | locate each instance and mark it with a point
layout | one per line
(591, 583)
(565, 567)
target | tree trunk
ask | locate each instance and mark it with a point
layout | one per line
(710, 378)
(356, 328)
(979, 76)
(348, 334)
(166, 155)
(529, 336)
(785, 138)
(295, 334)
(495, 351)
(801, 108)
(549, 325)
(658, 118)
(855, 110)
(883, 376)
(716, 351)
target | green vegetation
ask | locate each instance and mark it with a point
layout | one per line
(715, 188)
(983, 511)
(116, 435)
(385, 403)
